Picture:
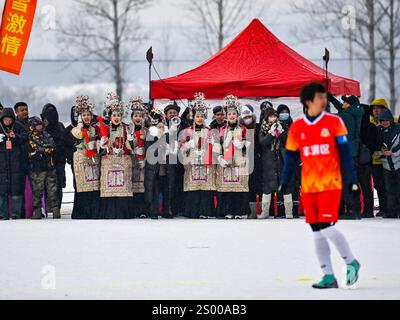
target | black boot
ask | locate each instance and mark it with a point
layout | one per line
(296, 209)
(368, 215)
(353, 215)
(281, 211)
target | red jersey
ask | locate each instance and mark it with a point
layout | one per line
(317, 143)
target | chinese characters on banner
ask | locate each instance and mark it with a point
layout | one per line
(16, 26)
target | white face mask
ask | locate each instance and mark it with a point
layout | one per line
(154, 131)
(248, 121)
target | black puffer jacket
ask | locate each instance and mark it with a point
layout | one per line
(57, 130)
(11, 167)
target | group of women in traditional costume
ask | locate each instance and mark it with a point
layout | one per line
(121, 171)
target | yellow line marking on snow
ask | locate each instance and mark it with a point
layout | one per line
(304, 280)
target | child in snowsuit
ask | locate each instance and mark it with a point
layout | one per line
(42, 169)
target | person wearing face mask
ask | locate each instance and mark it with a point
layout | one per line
(116, 163)
(138, 133)
(196, 144)
(233, 169)
(86, 162)
(270, 131)
(291, 200)
(249, 120)
(154, 173)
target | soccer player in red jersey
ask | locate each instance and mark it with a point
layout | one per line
(319, 139)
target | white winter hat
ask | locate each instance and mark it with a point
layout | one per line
(247, 111)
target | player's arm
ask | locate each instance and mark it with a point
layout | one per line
(346, 159)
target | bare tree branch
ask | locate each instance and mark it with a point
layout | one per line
(107, 30)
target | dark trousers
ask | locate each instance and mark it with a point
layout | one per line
(15, 207)
(392, 181)
(379, 184)
(178, 206)
(152, 182)
(169, 190)
(350, 205)
(45, 182)
(61, 182)
(364, 176)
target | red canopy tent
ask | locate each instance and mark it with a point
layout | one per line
(254, 64)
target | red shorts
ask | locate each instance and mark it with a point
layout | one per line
(322, 206)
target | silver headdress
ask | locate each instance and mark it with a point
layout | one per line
(82, 105)
(136, 104)
(199, 104)
(114, 104)
(232, 103)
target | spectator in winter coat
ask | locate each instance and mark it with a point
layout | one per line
(377, 106)
(352, 114)
(291, 200)
(43, 174)
(272, 161)
(369, 136)
(263, 107)
(389, 145)
(173, 194)
(12, 138)
(22, 115)
(57, 130)
(154, 175)
(249, 120)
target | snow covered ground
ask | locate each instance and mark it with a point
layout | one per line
(185, 259)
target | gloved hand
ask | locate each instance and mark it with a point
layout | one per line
(103, 142)
(190, 144)
(354, 189)
(222, 162)
(279, 128)
(129, 137)
(272, 129)
(40, 150)
(80, 123)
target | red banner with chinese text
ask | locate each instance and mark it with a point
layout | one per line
(15, 31)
